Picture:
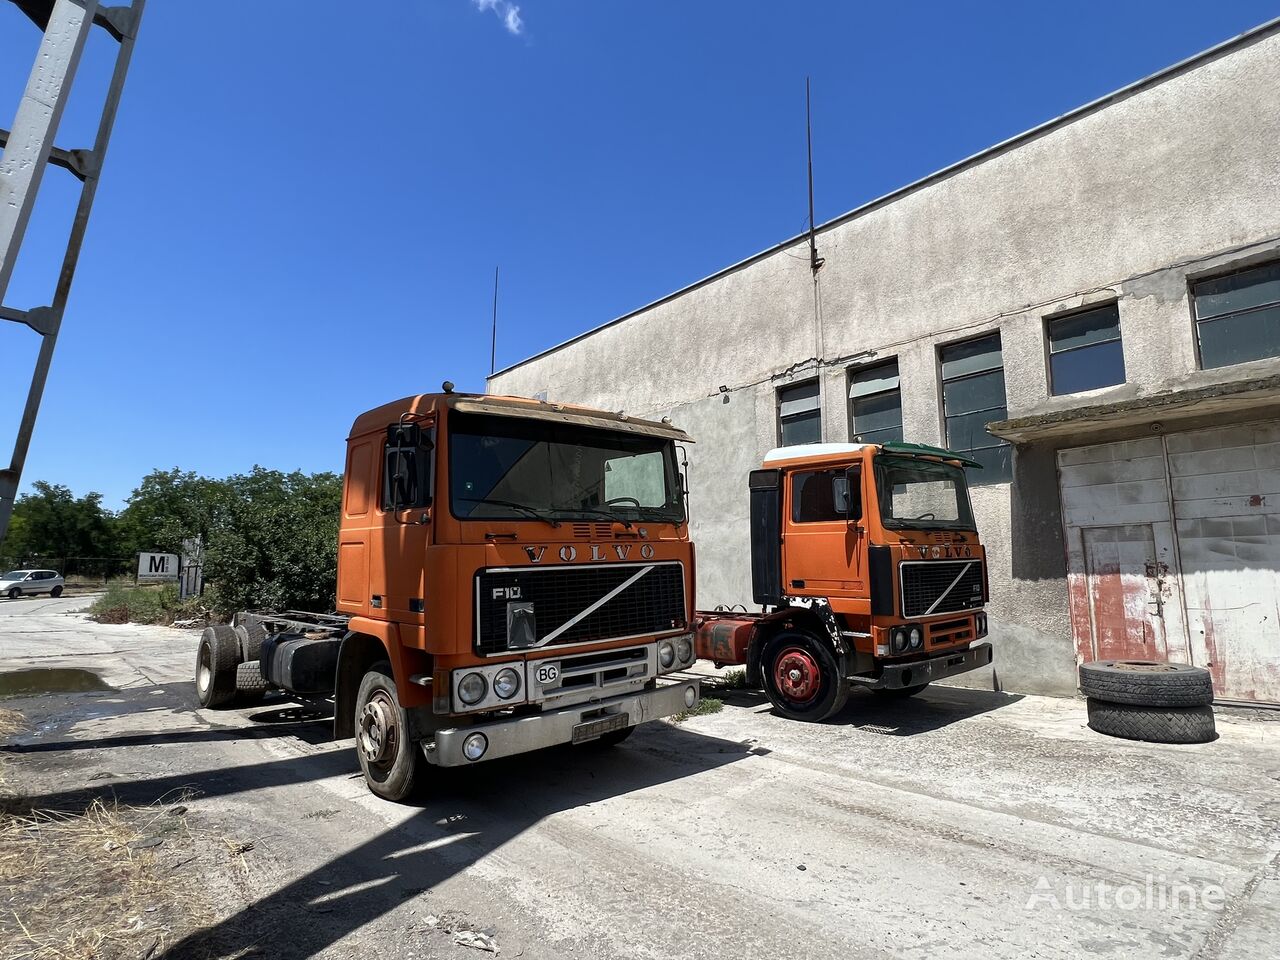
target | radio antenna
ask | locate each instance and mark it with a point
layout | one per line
(815, 261)
(493, 342)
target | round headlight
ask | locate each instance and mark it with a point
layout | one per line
(474, 746)
(899, 640)
(472, 688)
(684, 649)
(914, 636)
(666, 654)
(506, 683)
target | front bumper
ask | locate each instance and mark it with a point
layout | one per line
(553, 727)
(895, 676)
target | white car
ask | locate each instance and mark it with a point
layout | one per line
(24, 583)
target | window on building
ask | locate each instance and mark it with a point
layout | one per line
(799, 414)
(1238, 316)
(1085, 351)
(972, 397)
(875, 403)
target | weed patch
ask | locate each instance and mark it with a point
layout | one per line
(705, 705)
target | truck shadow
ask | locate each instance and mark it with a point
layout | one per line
(466, 815)
(931, 709)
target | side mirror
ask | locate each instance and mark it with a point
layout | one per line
(406, 472)
(846, 494)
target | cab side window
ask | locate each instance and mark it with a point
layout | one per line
(819, 496)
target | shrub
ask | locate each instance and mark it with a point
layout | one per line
(125, 603)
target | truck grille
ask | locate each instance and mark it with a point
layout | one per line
(924, 583)
(555, 599)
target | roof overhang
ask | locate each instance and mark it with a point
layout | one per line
(565, 413)
(1233, 397)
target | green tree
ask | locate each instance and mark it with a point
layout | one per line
(274, 542)
(170, 506)
(52, 522)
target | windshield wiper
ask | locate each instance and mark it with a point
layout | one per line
(530, 512)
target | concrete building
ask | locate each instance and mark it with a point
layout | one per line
(1091, 308)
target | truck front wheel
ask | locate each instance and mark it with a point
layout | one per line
(801, 677)
(388, 758)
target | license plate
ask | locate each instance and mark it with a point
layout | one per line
(596, 728)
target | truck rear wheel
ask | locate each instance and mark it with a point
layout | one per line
(217, 657)
(801, 677)
(388, 758)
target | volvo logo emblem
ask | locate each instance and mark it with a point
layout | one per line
(569, 552)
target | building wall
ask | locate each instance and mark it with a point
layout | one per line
(1124, 202)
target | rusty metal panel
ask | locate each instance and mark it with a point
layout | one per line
(1123, 589)
(724, 640)
(1119, 574)
(1226, 496)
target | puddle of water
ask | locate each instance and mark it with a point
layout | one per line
(22, 683)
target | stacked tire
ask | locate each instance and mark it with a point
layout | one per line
(1149, 700)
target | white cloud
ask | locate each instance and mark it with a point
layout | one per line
(508, 13)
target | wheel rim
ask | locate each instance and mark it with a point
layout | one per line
(796, 675)
(378, 733)
(204, 668)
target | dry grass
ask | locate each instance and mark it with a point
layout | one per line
(91, 884)
(100, 883)
(11, 722)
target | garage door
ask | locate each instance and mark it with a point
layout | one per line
(1173, 548)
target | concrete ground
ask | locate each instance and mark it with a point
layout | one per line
(959, 824)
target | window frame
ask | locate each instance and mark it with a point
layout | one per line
(1049, 353)
(939, 349)
(1271, 259)
(777, 407)
(849, 400)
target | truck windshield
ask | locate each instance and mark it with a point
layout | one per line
(513, 469)
(922, 494)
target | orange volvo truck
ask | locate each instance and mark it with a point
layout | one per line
(512, 575)
(866, 562)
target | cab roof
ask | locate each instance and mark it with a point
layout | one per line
(825, 452)
(424, 404)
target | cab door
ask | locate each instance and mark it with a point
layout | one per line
(823, 553)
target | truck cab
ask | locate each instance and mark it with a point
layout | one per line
(866, 562)
(512, 574)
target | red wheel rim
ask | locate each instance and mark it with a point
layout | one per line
(797, 675)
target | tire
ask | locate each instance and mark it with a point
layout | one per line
(251, 633)
(1146, 683)
(217, 658)
(14, 593)
(611, 739)
(389, 760)
(251, 686)
(1152, 724)
(56, 592)
(900, 693)
(801, 677)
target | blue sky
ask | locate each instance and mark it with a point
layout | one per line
(303, 204)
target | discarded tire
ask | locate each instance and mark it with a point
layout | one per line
(1146, 683)
(250, 684)
(1152, 724)
(217, 657)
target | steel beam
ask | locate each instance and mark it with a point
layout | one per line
(48, 100)
(30, 139)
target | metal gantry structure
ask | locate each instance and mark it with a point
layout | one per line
(28, 149)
